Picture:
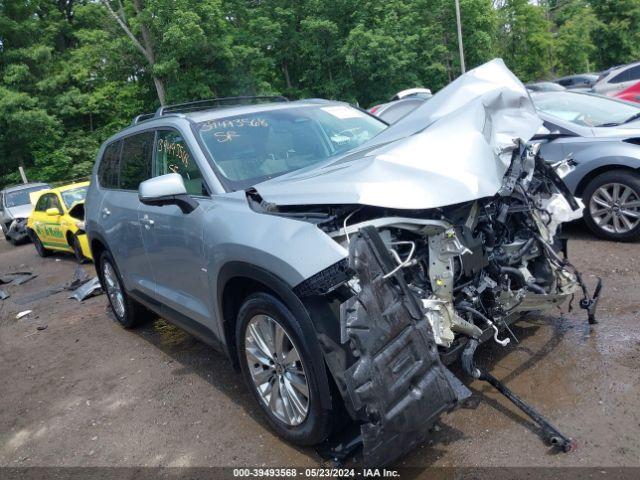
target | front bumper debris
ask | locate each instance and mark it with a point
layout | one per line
(398, 386)
(17, 232)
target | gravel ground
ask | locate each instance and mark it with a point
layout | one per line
(85, 392)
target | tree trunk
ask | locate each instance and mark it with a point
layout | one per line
(160, 90)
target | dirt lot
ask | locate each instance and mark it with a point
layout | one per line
(85, 392)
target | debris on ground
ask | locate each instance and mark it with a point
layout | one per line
(16, 278)
(80, 277)
(26, 299)
(23, 314)
(87, 290)
(4, 295)
(41, 327)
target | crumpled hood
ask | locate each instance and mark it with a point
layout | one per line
(454, 148)
(20, 211)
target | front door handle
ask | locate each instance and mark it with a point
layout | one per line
(147, 222)
(106, 212)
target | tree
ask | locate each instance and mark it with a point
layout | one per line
(526, 40)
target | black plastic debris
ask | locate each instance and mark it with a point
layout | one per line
(39, 295)
(16, 278)
(80, 277)
(87, 290)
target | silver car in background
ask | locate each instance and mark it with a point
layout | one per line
(602, 136)
(15, 208)
(341, 263)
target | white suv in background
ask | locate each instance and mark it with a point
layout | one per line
(617, 79)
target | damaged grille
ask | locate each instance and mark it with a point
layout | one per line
(325, 281)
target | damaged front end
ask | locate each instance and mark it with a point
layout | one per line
(451, 224)
(428, 286)
(17, 231)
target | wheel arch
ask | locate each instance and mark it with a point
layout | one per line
(238, 280)
(610, 167)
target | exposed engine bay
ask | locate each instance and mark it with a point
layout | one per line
(453, 232)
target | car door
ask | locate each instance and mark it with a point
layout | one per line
(126, 163)
(38, 218)
(48, 226)
(173, 240)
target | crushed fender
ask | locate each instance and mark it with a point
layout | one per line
(398, 386)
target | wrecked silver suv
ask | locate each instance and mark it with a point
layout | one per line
(341, 264)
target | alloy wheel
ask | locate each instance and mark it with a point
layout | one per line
(114, 290)
(276, 370)
(615, 208)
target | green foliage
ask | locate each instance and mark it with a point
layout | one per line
(71, 76)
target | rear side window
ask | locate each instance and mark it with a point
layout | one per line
(135, 166)
(108, 171)
(172, 156)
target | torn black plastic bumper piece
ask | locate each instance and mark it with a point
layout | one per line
(398, 386)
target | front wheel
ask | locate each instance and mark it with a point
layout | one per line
(77, 250)
(40, 248)
(612, 205)
(278, 369)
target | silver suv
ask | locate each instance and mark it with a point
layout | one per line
(340, 263)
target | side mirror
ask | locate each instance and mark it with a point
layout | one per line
(166, 189)
(53, 212)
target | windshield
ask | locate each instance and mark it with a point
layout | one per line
(247, 149)
(584, 110)
(21, 197)
(69, 197)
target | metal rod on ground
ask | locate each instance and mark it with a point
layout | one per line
(460, 46)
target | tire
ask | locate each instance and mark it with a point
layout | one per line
(40, 248)
(77, 250)
(612, 205)
(307, 424)
(128, 312)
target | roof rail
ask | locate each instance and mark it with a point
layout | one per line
(217, 103)
(208, 104)
(142, 117)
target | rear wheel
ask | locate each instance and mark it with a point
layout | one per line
(42, 251)
(612, 205)
(127, 311)
(277, 367)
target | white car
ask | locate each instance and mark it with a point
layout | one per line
(617, 79)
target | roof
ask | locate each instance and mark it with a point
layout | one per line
(22, 186)
(69, 186)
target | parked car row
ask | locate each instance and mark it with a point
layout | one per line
(52, 218)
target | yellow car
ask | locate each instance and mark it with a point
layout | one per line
(57, 221)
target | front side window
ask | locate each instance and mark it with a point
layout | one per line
(69, 197)
(247, 149)
(47, 201)
(42, 203)
(584, 110)
(135, 165)
(21, 197)
(109, 169)
(173, 156)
